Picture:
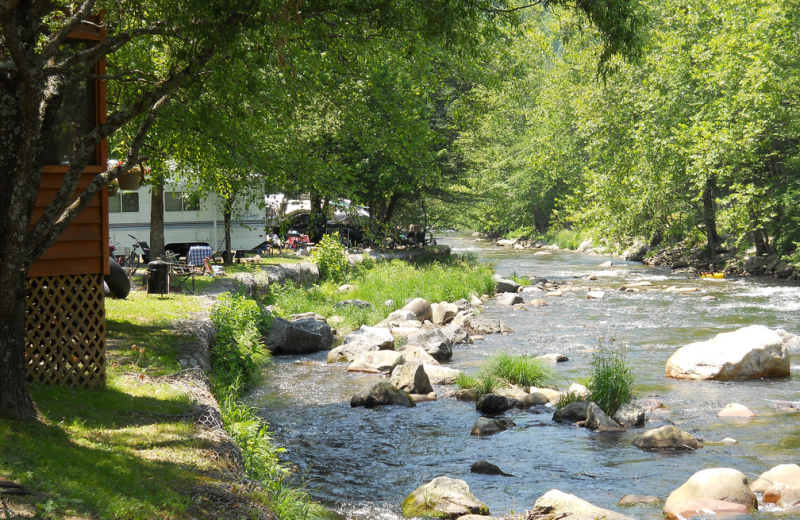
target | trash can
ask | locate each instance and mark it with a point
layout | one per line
(158, 277)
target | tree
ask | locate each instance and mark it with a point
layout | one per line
(154, 48)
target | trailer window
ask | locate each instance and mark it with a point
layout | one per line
(124, 203)
(178, 201)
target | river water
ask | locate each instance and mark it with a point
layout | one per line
(363, 463)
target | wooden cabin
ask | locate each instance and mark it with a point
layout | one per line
(65, 314)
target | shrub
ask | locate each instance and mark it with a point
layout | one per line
(525, 371)
(330, 256)
(238, 350)
(612, 380)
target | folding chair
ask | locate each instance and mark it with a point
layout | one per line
(179, 277)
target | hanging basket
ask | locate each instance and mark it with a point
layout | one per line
(132, 179)
(113, 189)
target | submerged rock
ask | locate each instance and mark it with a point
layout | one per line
(736, 410)
(443, 497)
(666, 438)
(711, 491)
(484, 467)
(749, 353)
(485, 426)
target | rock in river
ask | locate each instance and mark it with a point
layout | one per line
(411, 378)
(504, 285)
(439, 375)
(434, 343)
(443, 312)
(365, 339)
(629, 416)
(376, 362)
(488, 326)
(711, 491)
(596, 419)
(564, 506)
(508, 298)
(443, 497)
(484, 467)
(420, 307)
(780, 485)
(493, 404)
(749, 353)
(286, 337)
(485, 426)
(572, 413)
(381, 394)
(666, 438)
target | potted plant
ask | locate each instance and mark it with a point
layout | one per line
(131, 179)
(113, 188)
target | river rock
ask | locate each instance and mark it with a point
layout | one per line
(404, 332)
(493, 404)
(511, 392)
(484, 467)
(346, 288)
(780, 485)
(463, 305)
(553, 358)
(423, 398)
(468, 395)
(487, 326)
(508, 298)
(596, 419)
(637, 500)
(420, 307)
(554, 294)
(286, 337)
(572, 413)
(534, 399)
(361, 304)
(475, 301)
(539, 302)
(504, 285)
(377, 362)
(711, 491)
(317, 325)
(418, 354)
(377, 336)
(443, 312)
(439, 375)
(791, 341)
(649, 404)
(636, 285)
(401, 315)
(595, 295)
(381, 394)
(411, 378)
(434, 342)
(552, 395)
(485, 426)
(736, 410)
(578, 390)
(666, 438)
(456, 333)
(630, 416)
(557, 504)
(749, 353)
(443, 497)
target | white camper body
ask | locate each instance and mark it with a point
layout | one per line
(184, 222)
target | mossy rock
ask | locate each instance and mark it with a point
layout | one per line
(443, 497)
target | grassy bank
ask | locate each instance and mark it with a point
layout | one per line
(395, 282)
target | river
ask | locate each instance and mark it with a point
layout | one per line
(363, 463)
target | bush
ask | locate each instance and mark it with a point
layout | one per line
(525, 371)
(330, 256)
(238, 352)
(612, 380)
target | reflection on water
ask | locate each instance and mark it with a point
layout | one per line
(364, 462)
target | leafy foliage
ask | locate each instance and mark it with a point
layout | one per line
(238, 350)
(330, 256)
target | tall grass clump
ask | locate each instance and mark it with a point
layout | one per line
(525, 371)
(612, 381)
(482, 382)
(330, 255)
(238, 352)
(563, 238)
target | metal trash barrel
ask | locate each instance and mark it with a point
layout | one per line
(158, 277)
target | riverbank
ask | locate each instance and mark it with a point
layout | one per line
(153, 444)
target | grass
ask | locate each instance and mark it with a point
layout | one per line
(524, 371)
(612, 381)
(568, 398)
(396, 281)
(563, 238)
(504, 369)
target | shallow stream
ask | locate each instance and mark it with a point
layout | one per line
(365, 462)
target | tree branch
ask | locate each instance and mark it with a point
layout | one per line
(79, 16)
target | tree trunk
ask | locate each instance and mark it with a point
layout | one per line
(227, 213)
(15, 398)
(761, 242)
(157, 248)
(709, 215)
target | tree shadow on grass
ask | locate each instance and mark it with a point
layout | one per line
(101, 479)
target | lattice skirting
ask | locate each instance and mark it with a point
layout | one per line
(65, 325)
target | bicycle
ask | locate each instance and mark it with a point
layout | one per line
(133, 259)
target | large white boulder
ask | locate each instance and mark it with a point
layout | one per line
(377, 362)
(711, 491)
(443, 312)
(749, 353)
(439, 375)
(780, 485)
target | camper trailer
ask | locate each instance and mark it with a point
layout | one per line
(185, 221)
